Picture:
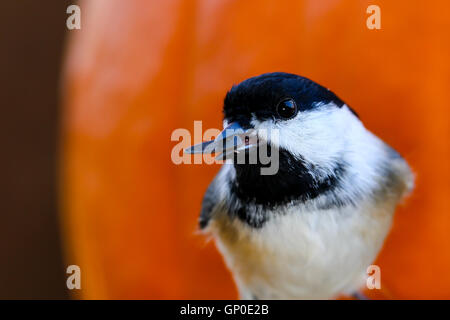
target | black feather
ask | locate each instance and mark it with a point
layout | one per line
(260, 95)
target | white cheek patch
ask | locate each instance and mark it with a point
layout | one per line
(318, 136)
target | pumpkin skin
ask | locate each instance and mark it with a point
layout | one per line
(137, 70)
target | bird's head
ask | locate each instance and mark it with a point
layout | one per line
(314, 129)
(311, 120)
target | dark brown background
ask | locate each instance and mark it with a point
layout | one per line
(32, 35)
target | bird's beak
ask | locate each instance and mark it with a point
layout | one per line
(232, 139)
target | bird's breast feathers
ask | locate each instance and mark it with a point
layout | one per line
(303, 255)
(306, 250)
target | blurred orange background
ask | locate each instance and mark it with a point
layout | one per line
(137, 70)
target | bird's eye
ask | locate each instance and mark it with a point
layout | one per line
(287, 108)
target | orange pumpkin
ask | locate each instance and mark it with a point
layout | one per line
(137, 70)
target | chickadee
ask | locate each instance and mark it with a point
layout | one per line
(310, 230)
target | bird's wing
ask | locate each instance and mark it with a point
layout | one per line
(403, 177)
(212, 199)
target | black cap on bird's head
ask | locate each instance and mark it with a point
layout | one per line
(277, 96)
